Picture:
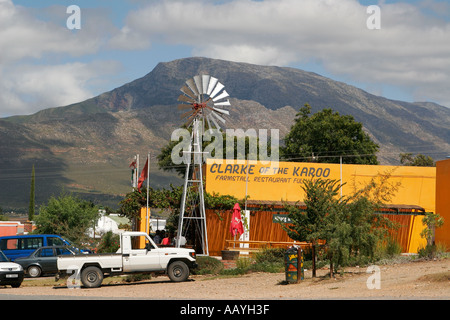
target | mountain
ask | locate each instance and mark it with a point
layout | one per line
(87, 147)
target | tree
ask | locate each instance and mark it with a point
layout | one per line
(32, 197)
(419, 160)
(347, 225)
(311, 224)
(431, 221)
(327, 135)
(67, 216)
(169, 199)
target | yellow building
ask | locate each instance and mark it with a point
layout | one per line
(443, 201)
(414, 188)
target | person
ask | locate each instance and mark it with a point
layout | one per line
(167, 240)
(157, 238)
(182, 240)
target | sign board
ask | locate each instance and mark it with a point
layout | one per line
(281, 218)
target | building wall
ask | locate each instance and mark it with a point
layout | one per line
(8, 230)
(261, 229)
(283, 180)
(416, 184)
(443, 201)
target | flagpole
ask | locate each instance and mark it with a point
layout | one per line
(148, 186)
(137, 169)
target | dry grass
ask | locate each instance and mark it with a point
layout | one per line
(436, 277)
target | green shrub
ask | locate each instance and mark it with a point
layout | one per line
(393, 248)
(208, 265)
(109, 243)
(270, 255)
(268, 260)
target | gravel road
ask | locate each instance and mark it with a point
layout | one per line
(410, 281)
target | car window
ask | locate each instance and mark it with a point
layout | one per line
(9, 244)
(61, 251)
(54, 241)
(3, 258)
(45, 252)
(30, 243)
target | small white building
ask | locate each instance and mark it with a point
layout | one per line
(104, 224)
(157, 224)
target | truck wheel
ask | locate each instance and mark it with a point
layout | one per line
(178, 271)
(92, 277)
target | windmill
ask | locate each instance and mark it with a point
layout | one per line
(204, 98)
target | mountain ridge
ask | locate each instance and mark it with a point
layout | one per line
(86, 147)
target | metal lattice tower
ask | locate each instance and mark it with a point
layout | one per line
(204, 97)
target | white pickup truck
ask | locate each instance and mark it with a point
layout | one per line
(92, 268)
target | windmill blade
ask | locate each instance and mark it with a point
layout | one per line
(184, 106)
(188, 123)
(209, 123)
(217, 89)
(223, 104)
(192, 86)
(224, 94)
(188, 92)
(218, 117)
(184, 98)
(221, 111)
(211, 85)
(205, 82)
(191, 118)
(184, 115)
(214, 121)
(198, 84)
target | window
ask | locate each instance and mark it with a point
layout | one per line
(3, 258)
(140, 242)
(46, 252)
(30, 243)
(9, 244)
(61, 251)
(53, 241)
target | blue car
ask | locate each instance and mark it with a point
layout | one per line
(22, 246)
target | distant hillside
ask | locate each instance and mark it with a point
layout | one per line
(87, 147)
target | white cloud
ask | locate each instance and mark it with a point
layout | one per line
(412, 49)
(35, 71)
(23, 36)
(34, 87)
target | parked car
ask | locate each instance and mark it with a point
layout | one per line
(43, 260)
(10, 273)
(23, 245)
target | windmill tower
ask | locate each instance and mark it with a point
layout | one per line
(204, 97)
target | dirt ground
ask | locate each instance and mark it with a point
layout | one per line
(410, 281)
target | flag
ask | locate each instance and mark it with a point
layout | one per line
(144, 175)
(236, 225)
(133, 173)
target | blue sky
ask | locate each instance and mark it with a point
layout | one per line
(44, 64)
